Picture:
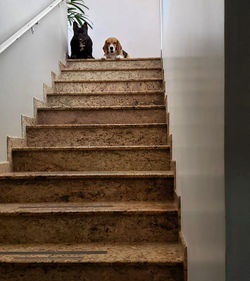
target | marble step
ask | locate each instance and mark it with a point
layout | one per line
(114, 74)
(96, 135)
(101, 158)
(102, 115)
(114, 64)
(106, 99)
(86, 186)
(38, 223)
(93, 262)
(76, 86)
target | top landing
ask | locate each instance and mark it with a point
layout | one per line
(131, 63)
(111, 60)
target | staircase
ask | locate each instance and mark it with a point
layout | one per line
(91, 195)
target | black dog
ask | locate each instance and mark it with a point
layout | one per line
(81, 44)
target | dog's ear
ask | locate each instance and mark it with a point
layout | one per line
(119, 47)
(105, 47)
(75, 27)
(85, 26)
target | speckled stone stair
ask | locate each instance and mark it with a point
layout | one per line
(114, 74)
(88, 222)
(108, 158)
(106, 99)
(91, 193)
(93, 262)
(97, 186)
(86, 86)
(96, 135)
(118, 64)
(102, 115)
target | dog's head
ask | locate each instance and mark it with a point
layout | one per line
(112, 46)
(81, 34)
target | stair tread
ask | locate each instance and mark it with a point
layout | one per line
(66, 126)
(108, 93)
(110, 60)
(100, 107)
(79, 148)
(68, 69)
(57, 80)
(87, 174)
(166, 253)
(88, 207)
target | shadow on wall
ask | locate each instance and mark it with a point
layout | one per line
(193, 55)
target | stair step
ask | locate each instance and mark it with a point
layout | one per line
(96, 135)
(109, 64)
(88, 222)
(105, 158)
(115, 74)
(87, 186)
(106, 99)
(76, 86)
(102, 115)
(92, 262)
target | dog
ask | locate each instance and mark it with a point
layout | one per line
(113, 50)
(81, 44)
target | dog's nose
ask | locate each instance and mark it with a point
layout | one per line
(111, 48)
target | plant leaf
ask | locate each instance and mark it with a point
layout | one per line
(75, 12)
(78, 8)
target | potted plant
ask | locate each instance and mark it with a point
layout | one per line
(76, 12)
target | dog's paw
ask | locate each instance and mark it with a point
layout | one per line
(119, 57)
(103, 58)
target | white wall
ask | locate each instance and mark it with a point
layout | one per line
(15, 14)
(27, 64)
(193, 51)
(135, 23)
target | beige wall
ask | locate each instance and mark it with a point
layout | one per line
(135, 23)
(193, 52)
(27, 64)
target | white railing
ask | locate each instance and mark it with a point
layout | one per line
(28, 26)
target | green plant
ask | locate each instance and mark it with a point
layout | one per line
(76, 12)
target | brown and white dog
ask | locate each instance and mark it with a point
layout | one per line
(113, 50)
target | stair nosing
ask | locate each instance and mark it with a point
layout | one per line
(74, 126)
(172, 259)
(78, 108)
(109, 69)
(109, 207)
(83, 261)
(89, 174)
(108, 93)
(92, 148)
(110, 60)
(109, 80)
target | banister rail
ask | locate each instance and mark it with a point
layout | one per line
(28, 26)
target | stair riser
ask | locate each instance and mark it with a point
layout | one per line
(91, 160)
(105, 100)
(92, 272)
(102, 116)
(39, 190)
(114, 64)
(58, 137)
(86, 87)
(88, 227)
(110, 75)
